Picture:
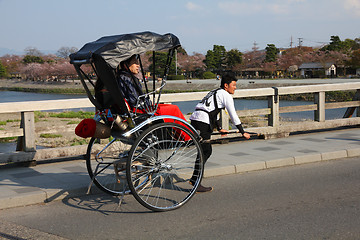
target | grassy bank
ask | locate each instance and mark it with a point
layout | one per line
(45, 90)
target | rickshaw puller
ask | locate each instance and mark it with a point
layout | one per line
(204, 118)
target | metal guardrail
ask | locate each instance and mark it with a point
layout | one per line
(26, 133)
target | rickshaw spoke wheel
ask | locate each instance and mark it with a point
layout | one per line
(160, 164)
(107, 165)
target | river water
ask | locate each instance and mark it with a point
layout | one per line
(185, 107)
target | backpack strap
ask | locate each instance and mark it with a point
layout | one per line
(215, 112)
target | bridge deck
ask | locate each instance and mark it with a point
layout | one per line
(54, 181)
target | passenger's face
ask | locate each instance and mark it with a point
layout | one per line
(134, 66)
(230, 88)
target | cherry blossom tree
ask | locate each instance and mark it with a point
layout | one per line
(32, 71)
(11, 63)
(191, 65)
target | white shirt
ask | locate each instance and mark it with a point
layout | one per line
(224, 100)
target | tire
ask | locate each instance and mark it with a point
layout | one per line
(160, 165)
(107, 169)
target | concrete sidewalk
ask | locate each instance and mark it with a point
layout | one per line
(54, 181)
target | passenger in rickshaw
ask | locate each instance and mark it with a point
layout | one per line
(129, 84)
(131, 89)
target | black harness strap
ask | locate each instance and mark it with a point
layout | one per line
(213, 114)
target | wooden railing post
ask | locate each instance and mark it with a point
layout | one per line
(27, 142)
(273, 104)
(358, 108)
(319, 114)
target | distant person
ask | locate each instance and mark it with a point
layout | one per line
(204, 118)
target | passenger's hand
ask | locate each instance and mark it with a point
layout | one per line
(223, 132)
(246, 135)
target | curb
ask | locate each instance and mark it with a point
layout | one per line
(284, 162)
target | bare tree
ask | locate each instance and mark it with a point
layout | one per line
(64, 52)
(32, 51)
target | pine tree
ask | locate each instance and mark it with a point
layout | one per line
(271, 53)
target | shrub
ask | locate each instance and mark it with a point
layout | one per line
(175, 77)
(209, 75)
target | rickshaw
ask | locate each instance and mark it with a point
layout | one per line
(150, 156)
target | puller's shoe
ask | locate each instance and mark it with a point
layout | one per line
(202, 189)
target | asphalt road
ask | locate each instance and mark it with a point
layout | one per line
(311, 201)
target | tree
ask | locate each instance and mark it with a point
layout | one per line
(2, 70)
(209, 60)
(253, 59)
(271, 53)
(32, 51)
(292, 56)
(11, 63)
(181, 50)
(356, 44)
(160, 62)
(32, 71)
(270, 67)
(64, 52)
(215, 59)
(340, 46)
(62, 69)
(355, 59)
(32, 59)
(233, 58)
(191, 65)
(335, 44)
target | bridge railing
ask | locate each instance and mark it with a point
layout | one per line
(274, 127)
(27, 132)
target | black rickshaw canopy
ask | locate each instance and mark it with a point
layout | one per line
(106, 53)
(117, 48)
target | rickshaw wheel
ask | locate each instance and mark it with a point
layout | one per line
(161, 162)
(106, 164)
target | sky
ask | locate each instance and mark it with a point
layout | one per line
(49, 25)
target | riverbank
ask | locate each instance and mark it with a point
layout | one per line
(174, 86)
(75, 87)
(69, 87)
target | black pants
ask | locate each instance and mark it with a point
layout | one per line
(205, 133)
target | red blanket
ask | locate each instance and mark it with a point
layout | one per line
(172, 110)
(169, 109)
